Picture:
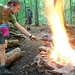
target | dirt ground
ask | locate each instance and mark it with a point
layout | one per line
(24, 65)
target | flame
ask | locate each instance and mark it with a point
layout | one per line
(62, 53)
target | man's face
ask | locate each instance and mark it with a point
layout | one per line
(15, 9)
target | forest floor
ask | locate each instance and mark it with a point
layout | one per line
(23, 66)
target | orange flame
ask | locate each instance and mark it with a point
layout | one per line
(62, 53)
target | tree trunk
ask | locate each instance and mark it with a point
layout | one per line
(70, 12)
(36, 13)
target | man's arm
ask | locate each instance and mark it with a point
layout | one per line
(22, 29)
(25, 32)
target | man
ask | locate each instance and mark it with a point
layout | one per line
(29, 17)
(7, 15)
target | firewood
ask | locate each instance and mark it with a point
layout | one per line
(44, 48)
(46, 43)
(68, 67)
(64, 70)
(13, 55)
(53, 72)
(13, 43)
(49, 64)
(37, 60)
(48, 72)
(69, 74)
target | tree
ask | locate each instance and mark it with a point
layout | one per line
(70, 12)
(36, 13)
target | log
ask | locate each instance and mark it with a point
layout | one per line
(45, 49)
(48, 64)
(65, 70)
(17, 35)
(69, 74)
(46, 43)
(13, 43)
(13, 55)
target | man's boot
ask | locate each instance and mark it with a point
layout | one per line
(29, 29)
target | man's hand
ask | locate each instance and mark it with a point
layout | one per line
(33, 38)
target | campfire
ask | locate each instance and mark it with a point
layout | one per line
(59, 58)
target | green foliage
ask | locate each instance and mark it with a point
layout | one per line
(42, 20)
(21, 16)
(70, 12)
(3, 1)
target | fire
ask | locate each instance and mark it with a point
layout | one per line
(62, 53)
